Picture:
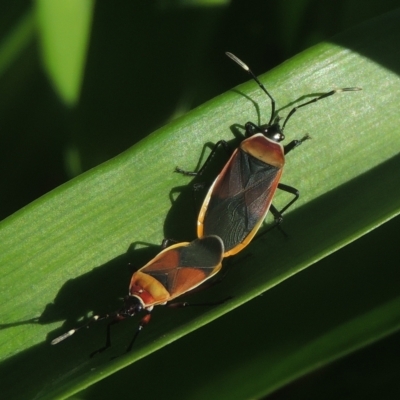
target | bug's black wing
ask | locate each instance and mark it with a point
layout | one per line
(240, 198)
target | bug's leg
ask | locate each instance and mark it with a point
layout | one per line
(277, 222)
(187, 304)
(222, 143)
(114, 321)
(278, 218)
(144, 321)
(252, 129)
(168, 242)
(291, 190)
(277, 215)
(295, 143)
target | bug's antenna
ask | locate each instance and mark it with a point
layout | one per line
(314, 100)
(246, 68)
(72, 331)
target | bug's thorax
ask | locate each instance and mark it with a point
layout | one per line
(148, 289)
(264, 149)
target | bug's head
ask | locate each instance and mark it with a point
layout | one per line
(273, 132)
(132, 305)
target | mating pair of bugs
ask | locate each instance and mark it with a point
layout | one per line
(232, 213)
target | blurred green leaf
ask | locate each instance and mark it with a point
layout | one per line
(64, 28)
(64, 255)
(16, 41)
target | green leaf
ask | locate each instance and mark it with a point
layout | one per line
(299, 326)
(65, 254)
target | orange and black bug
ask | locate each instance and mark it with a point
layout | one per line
(241, 195)
(176, 270)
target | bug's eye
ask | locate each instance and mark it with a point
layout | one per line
(279, 137)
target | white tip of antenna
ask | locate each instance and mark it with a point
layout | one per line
(64, 336)
(238, 61)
